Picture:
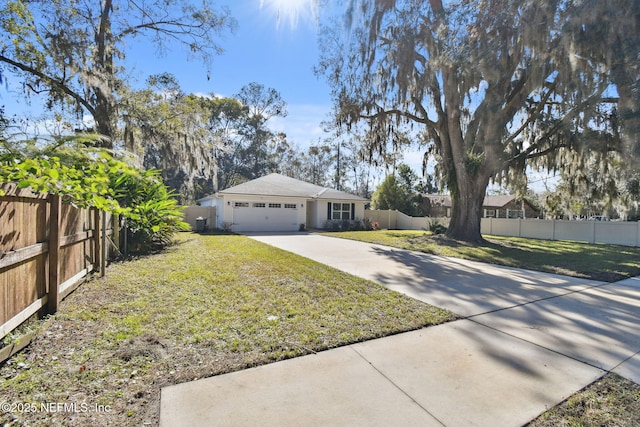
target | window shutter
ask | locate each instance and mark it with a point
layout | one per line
(329, 211)
(353, 211)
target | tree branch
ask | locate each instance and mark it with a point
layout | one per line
(529, 152)
(50, 80)
(546, 151)
(532, 117)
(424, 121)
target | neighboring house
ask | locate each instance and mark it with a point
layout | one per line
(505, 206)
(278, 203)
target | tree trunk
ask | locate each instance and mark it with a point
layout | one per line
(470, 177)
(102, 117)
(105, 112)
(466, 211)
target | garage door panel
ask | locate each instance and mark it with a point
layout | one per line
(264, 217)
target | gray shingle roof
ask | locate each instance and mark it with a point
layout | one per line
(489, 201)
(498, 200)
(279, 185)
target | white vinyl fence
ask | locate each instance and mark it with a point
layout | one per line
(396, 220)
(610, 232)
(192, 213)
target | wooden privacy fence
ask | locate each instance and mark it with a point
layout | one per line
(46, 249)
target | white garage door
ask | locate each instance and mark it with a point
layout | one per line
(265, 216)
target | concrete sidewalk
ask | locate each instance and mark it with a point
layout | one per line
(529, 340)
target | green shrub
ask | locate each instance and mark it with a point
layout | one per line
(153, 212)
(436, 227)
(345, 225)
(90, 177)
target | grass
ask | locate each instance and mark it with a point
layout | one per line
(610, 401)
(601, 262)
(210, 305)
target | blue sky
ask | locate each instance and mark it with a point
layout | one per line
(266, 48)
(275, 44)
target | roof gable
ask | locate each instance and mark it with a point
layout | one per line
(276, 184)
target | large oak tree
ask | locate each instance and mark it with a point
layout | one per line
(490, 87)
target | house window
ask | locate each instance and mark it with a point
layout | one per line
(241, 204)
(259, 205)
(275, 205)
(515, 213)
(290, 206)
(341, 211)
(489, 213)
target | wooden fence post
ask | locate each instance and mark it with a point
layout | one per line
(115, 221)
(105, 248)
(96, 242)
(126, 234)
(54, 253)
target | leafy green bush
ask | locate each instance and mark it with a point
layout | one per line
(65, 167)
(154, 215)
(90, 177)
(436, 227)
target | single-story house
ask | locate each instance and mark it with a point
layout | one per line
(279, 203)
(500, 206)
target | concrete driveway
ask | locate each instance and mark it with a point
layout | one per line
(465, 287)
(527, 341)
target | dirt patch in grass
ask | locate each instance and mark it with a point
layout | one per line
(610, 401)
(146, 345)
(210, 305)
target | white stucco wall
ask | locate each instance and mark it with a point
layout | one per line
(320, 217)
(227, 210)
(311, 213)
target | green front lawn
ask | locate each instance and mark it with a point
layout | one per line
(210, 305)
(598, 262)
(219, 303)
